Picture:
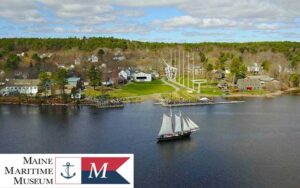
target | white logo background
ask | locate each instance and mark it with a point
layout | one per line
(60, 168)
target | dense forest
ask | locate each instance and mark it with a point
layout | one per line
(89, 44)
(211, 56)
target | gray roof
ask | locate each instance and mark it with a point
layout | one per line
(23, 82)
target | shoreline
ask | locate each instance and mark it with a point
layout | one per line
(34, 102)
(267, 95)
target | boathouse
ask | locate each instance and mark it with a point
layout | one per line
(248, 84)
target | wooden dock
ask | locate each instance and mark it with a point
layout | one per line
(200, 103)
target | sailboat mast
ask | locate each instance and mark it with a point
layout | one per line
(181, 121)
(171, 116)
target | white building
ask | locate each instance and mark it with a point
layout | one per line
(22, 54)
(284, 69)
(72, 81)
(22, 86)
(142, 77)
(119, 58)
(124, 74)
(93, 59)
(109, 82)
(44, 55)
(77, 61)
(86, 83)
(255, 68)
(60, 66)
(155, 74)
(77, 95)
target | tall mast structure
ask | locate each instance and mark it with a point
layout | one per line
(179, 67)
(183, 68)
(188, 70)
(193, 70)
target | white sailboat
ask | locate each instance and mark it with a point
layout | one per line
(176, 127)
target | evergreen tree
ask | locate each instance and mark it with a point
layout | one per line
(59, 79)
(12, 63)
(44, 82)
(95, 76)
(237, 68)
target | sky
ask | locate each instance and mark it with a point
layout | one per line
(153, 20)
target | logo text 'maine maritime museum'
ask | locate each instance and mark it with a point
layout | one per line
(102, 170)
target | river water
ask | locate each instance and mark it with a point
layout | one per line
(251, 144)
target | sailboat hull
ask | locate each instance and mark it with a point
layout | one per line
(174, 137)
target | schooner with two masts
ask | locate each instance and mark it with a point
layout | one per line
(176, 127)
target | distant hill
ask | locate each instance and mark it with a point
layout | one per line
(90, 44)
(143, 55)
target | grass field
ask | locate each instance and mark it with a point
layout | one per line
(139, 89)
(210, 90)
(134, 89)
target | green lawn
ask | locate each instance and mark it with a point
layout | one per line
(206, 88)
(143, 88)
(210, 90)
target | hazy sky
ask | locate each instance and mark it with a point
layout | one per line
(154, 20)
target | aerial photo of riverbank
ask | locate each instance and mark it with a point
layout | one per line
(150, 93)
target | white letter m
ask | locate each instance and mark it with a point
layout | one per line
(97, 173)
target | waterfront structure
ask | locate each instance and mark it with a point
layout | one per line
(262, 78)
(142, 77)
(21, 86)
(248, 84)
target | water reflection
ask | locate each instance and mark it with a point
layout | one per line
(170, 149)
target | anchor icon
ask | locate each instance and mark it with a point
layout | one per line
(68, 176)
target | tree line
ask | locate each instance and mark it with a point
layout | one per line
(24, 44)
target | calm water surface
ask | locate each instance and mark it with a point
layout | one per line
(251, 144)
